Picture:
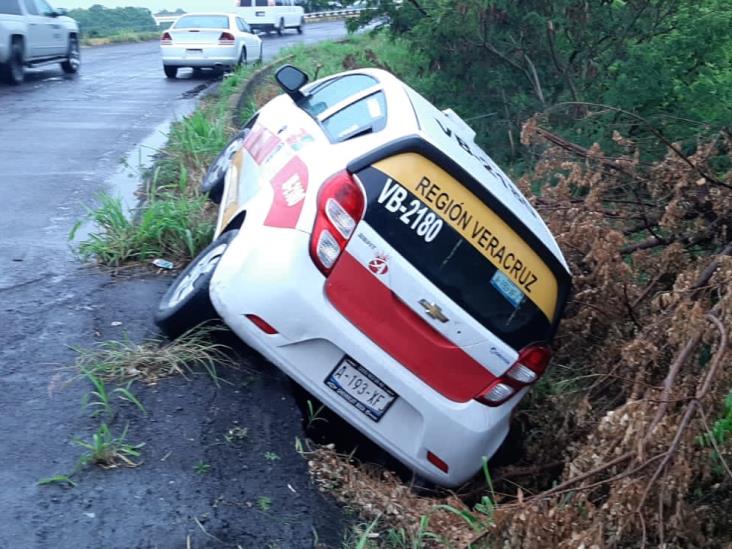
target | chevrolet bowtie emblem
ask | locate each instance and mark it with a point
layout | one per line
(433, 311)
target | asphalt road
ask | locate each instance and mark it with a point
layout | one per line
(62, 141)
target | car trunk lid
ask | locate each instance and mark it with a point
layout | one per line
(440, 281)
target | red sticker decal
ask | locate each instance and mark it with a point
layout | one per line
(290, 188)
(379, 265)
(260, 143)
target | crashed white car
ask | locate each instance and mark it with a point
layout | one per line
(372, 251)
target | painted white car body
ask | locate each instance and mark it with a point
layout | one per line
(379, 316)
(209, 40)
(271, 15)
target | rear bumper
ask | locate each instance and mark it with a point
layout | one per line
(268, 272)
(209, 56)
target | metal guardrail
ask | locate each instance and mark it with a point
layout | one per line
(334, 13)
(159, 19)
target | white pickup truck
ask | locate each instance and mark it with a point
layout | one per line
(33, 33)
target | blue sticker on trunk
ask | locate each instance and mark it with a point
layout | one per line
(507, 288)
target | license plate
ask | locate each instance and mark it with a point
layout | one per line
(194, 53)
(360, 388)
(260, 14)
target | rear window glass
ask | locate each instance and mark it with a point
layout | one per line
(10, 7)
(462, 247)
(202, 22)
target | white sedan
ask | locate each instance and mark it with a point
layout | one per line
(209, 40)
(368, 247)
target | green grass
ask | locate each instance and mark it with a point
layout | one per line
(155, 359)
(271, 456)
(99, 400)
(201, 468)
(121, 38)
(176, 222)
(168, 226)
(264, 503)
(367, 536)
(107, 450)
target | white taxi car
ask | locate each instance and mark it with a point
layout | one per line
(372, 251)
(209, 40)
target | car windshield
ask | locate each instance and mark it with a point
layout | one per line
(9, 7)
(202, 22)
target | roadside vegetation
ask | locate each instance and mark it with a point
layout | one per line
(122, 37)
(100, 25)
(175, 221)
(602, 112)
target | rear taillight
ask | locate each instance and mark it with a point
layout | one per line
(226, 39)
(341, 206)
(166, 39)
(528, 368)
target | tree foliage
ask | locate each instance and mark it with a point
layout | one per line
(99, 21)
(498, 62)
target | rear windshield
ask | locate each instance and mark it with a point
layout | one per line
(202, 22)
(462, 247)
(10, 7)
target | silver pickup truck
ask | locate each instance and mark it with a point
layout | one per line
(32, 33)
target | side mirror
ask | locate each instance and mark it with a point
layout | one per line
(58, 12)
(291, 80)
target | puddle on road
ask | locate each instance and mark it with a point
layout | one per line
(128, 180)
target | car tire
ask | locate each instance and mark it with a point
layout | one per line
(280, 27)
(261, 54)
(242, 58)
(73, 58)
(213, 181)
(187, 303)
(13, 71)
(170, 72)
(301, 26)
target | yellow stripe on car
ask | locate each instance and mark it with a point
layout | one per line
(478, 224)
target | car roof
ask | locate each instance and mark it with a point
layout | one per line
(447, 132)
(209, 14)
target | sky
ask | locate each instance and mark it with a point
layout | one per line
(152, 5)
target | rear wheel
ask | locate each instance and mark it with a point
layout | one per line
(170, 72)
(280, 27)
(13, 71)
(187, 303)
(301, 26)
(73, 57)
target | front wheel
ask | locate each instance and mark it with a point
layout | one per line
(213, 181)
(187, 303)
(170, 72)
(242, 58)
(280, 27)
(73, 57)
(13, 71)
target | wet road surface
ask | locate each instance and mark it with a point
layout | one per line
(61, 139)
